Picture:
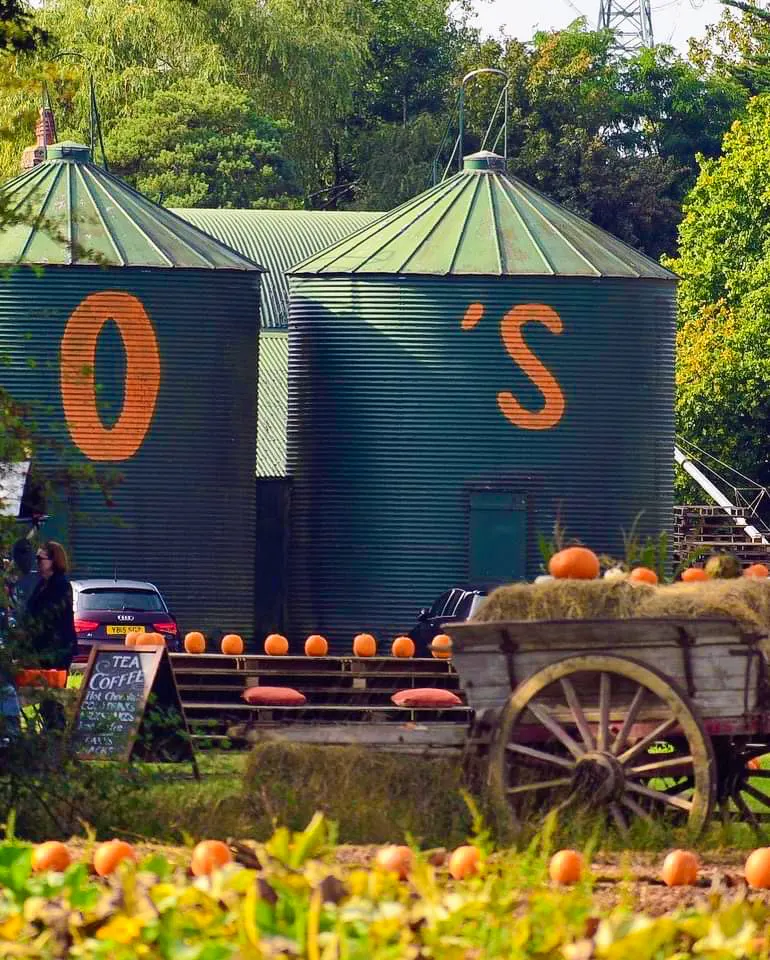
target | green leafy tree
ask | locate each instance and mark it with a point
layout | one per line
(724, 300)
(202, 145)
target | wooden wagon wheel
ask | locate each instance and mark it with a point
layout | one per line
(743, 789)
(578, 733)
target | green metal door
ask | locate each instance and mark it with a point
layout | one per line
(497, 537)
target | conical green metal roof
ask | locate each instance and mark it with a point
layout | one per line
(75, 213)
(482, 222)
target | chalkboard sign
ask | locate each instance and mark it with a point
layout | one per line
(129, 705)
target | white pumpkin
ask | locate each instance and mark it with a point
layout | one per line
(615, 573)
(544, 578)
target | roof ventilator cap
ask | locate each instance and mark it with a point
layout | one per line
(484, 160)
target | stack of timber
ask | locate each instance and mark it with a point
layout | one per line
(707, 529)
(348, 700)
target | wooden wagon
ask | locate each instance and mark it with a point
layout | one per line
(634, 717)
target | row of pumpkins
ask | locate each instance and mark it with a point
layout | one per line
(580, 563)
(276, 645)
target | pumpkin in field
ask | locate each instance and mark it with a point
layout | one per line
(51, 855)
(566, 867)
(757, 869)
(276, 645)
(208, 856)
(195, 642)
(574, 563)
(132, 637)
(643, 575)
(316, 646)
(680, 869)
(441, 648)
(395, 859)
(723, 566)
(109, 855)
(464, 862)
(364, 645)
(232, 645)
(755, 763)
(758, 570)
(403, 647)
(694, 575)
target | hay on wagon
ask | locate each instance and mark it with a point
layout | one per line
(744, 600)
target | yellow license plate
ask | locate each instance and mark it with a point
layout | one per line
(121, 631)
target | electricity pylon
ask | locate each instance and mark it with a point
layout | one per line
(631, 21)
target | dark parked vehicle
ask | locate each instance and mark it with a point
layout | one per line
(454, 605)
(106, 610)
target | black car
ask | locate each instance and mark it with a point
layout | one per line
(106, 610)
(453, 606)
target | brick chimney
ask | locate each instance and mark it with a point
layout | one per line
(45, 132)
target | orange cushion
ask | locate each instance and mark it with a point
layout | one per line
(426, 697)
(274, 697)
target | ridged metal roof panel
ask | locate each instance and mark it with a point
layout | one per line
(75, 213)
(483, 222)
(279, 239)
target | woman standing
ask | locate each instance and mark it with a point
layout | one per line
(49, 620)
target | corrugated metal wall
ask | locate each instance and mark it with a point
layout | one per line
(394, 418)
(184, 515)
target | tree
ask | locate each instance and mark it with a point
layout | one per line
(724, 300)
(18, 31)
(197, 144)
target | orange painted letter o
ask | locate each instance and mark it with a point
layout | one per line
(78, 383)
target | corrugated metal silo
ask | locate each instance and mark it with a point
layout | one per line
(461, 371)
(137, 344)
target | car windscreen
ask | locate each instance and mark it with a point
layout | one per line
(114, 598)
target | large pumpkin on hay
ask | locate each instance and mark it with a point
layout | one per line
(574, 563)
(643, 575)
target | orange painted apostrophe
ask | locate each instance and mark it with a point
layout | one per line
(78, 385)
(511, 334)
(473, 314)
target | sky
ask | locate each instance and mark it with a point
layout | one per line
(673, 21)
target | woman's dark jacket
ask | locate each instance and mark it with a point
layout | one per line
(50, 624)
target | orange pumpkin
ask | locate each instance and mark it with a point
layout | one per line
(395, 859)
(208, 856)
(150, 640)
(195, 642)
(232, 645)
(643, 575)
(694, 575)
(566, 867)
(755, 763)
(441, 648)
(132, 638)
(108, 855)
(757, 869)
(464, 862)
(758, 570)
(276, 645)
(51, 855)
(364, 645)
(403, 647)
(680, 869)
(316, 646)
(574, 563)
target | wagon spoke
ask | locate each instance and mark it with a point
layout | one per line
(757, 794)
(556, 729)
(603, 735)
(617, 816)
(628, 722)
(634, 807)
(760, 774)
(746, 812)
(539, 785)
(660, 766)
(577, 712)
(540, 755)
(645, 742)
(671, 799)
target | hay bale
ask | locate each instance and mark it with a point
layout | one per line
(565, 600)
(746, 600)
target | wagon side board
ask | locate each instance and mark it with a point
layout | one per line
(722, 667)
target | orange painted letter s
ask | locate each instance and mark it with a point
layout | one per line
(512, 336)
